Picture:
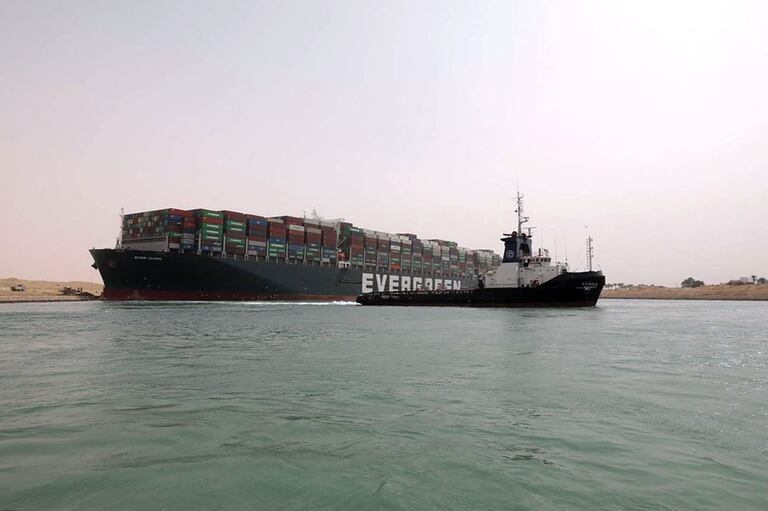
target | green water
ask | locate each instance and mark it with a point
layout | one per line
(630, 405)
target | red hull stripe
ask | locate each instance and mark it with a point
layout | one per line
(158, 294)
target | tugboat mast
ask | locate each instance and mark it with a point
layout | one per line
(521, 219)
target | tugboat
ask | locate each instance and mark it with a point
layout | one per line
(524, 279)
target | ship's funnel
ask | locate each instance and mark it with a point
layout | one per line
(516, 246)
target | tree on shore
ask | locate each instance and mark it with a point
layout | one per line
(762, 280)
(754, 279)
(691, 282)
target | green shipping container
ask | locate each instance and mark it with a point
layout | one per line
(210, 213)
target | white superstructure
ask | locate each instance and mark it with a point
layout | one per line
(520, 267)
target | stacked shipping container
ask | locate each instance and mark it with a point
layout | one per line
(406, 255)
(313, 240)
(382, 247)
(234, 232)
(355, 240)
(300, 240)
(256, 235)
(163, 223)
(277, 233)
(330, 243)
(210, 230)
(296, 244)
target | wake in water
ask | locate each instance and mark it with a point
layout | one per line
(295, 303)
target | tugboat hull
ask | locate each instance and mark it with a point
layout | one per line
(566, 290)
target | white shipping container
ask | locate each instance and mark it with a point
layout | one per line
(298, 228)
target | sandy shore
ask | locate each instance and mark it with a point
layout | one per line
(714, 292)
(43, 291)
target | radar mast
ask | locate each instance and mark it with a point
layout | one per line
(521, 218)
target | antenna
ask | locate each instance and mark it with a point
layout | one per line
(566, 247)
(521, 219)
(556, 260)
(590, 252)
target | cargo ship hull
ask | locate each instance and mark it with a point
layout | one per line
(150, 275)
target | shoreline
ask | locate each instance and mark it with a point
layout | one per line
(51, 300)
(744, 293)
(708, 299)
(44, 291)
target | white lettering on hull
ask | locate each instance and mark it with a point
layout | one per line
(367, 283)
(374, 282)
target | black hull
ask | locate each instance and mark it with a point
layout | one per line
(145, 275)
(567, 290)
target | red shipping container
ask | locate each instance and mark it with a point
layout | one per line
(209, 220)
(180, 212)
(292, 220)
(234, 215)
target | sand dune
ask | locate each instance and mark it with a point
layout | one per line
(42, 290)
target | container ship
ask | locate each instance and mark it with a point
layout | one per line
(203, 254)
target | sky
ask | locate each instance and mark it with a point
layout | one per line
(644, 124)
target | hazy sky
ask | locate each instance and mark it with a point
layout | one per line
(646, 121)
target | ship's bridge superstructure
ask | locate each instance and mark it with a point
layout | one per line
(520, 267)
